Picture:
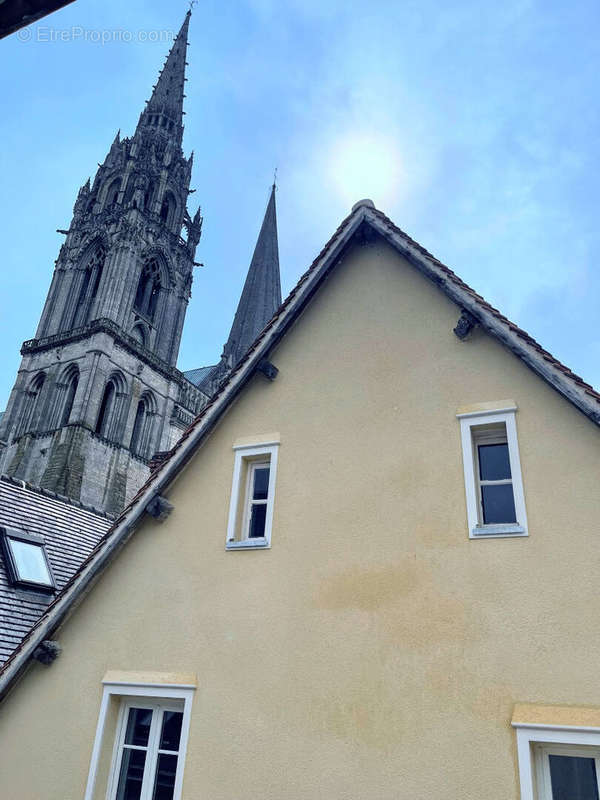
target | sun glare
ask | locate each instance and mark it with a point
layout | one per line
(366, 165)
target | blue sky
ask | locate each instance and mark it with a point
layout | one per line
(473, 125)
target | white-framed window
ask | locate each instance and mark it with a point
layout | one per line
(26, 560)
(147, 750)
(252, 496)
(148, 744)
(561, 763)
(492, 468)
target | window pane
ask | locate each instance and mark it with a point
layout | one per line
(30, 562)
(171, 730)
(573, 778)
(261, 483)
(131, 775)
(498, 503)
(257, 520)
(164, 784)
(138, 726)
(494, 463)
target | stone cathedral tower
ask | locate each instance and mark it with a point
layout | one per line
(97, 392)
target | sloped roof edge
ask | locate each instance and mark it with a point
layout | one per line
(571, 386)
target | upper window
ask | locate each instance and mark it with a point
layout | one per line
(495, 495)
(493, 483)
(257, 498)
(252, 496)
(26, 560)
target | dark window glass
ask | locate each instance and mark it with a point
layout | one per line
(131, 774)
(152, 302)
(138, 427)
(573, 778)
(164, 783)
(69, 399)
(171, 730)
(261, 483)
(84, 287)
(498, 503)
(138, 726)
(105, 407)
(257, 520)
(139, 295)
(494, 464)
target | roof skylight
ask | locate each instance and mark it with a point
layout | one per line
(26, 560)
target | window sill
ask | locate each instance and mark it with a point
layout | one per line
(248, 544)
(499, 531)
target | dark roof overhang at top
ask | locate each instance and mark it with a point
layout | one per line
(364, 223)
(17, 14)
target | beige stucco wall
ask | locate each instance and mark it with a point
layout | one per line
(374, 651)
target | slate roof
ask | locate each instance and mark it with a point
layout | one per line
(364, 222)
(70, 534)
(198, 375)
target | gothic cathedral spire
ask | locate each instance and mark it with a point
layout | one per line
(164, 110)
(261, 295)
(98, 392)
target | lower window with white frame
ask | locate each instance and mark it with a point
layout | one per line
(558, 763)
(147, 753)
(145, 727)
(566, 772)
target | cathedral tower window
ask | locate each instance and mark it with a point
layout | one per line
(110, 417)
(90, 281)
(71, 390)
(108, 399)
(142, 435)
(112, 193)
(64, 398)
(148, 290)
(148, 196)
(167, 211)
(31, 404)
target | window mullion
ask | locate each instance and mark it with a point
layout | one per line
(248, 505)
(120, 749)
(151, 754)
